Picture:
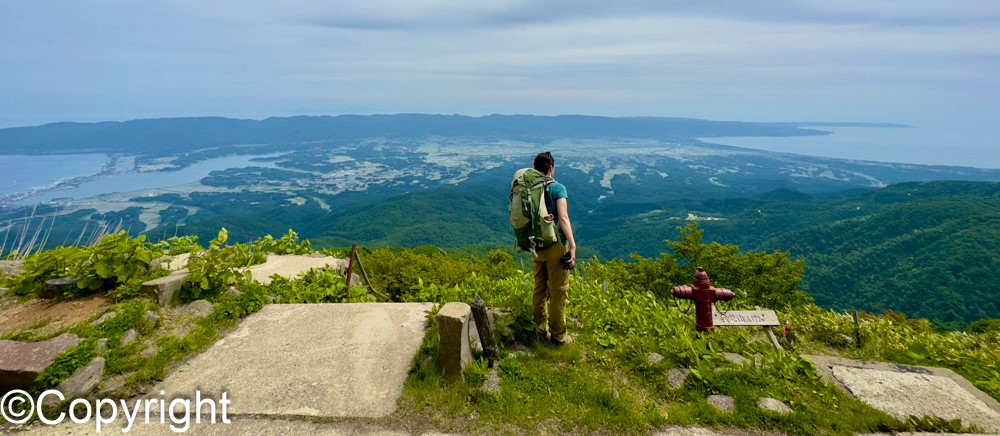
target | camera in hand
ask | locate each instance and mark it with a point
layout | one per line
(564, 260)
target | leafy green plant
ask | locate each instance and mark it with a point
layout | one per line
(317, 286)
(216, 269)
(116, 262)
(178, 245)
(287, 244)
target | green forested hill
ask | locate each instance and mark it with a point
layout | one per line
(930, 250)
(927, 249)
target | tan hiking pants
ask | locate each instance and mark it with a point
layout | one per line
(551, 291)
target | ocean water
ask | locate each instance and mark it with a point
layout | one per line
(19, 173)
(913, 145)
(129, 182)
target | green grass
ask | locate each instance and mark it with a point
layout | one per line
(603, 383)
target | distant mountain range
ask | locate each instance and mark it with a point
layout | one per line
(180, 135)
(875, 235)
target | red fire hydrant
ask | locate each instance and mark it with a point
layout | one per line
(703, 295)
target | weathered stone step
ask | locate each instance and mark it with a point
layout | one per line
(22, 362)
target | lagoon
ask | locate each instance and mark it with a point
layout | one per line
(129, 182)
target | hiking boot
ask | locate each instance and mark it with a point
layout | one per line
(566, 340)
(543, 336)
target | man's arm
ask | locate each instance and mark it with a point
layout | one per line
(562, 207)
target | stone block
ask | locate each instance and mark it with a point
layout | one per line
(152, 318)
(165, 289)
(454, 352)
(199, 308)
(56, 288)
(83, 380)
(773, 405)
(103, 318)
(723, 403)
(130, 336)
(676, 377)
(492, 383)
(735, 358)
(10, 268)
(474, 341)
(654, 358)
(111, 385)
(21, 362)
(150, 351)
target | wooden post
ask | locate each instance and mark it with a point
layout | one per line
(485, 329)
(857, 330)
(361, 266)
(770, 334)
(350, 267)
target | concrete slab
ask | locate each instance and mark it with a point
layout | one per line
(238, 426)
(290, 266)
(310, 360)
(904, 390)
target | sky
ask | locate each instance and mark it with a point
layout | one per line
(915, 62)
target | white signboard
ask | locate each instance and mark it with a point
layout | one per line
(744, 317)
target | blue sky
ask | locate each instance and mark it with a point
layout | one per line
(908, 61)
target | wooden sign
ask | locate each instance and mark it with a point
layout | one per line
(744, 317)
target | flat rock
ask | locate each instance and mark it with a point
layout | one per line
(199, 308)
(152, 318)
(773, 405)
(103, 318)
(904, 390)
(102, 345)
(130, 336)
(677, 376)
(654, 358)
(10, 268)
(492, 383)
(150, 351)
(83, 380)
(21, 362)
(735, 358)
(902, 394)
(111, 385)
(56, 288)
(321, 360)
(291, 266)
(723, 403)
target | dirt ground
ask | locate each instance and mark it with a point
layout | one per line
(47, 316)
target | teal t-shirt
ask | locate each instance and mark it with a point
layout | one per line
(555, 192)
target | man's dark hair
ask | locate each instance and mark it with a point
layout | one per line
(544, 161)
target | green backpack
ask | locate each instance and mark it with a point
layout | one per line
(533, 226)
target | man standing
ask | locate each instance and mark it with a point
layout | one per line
(551, 265)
